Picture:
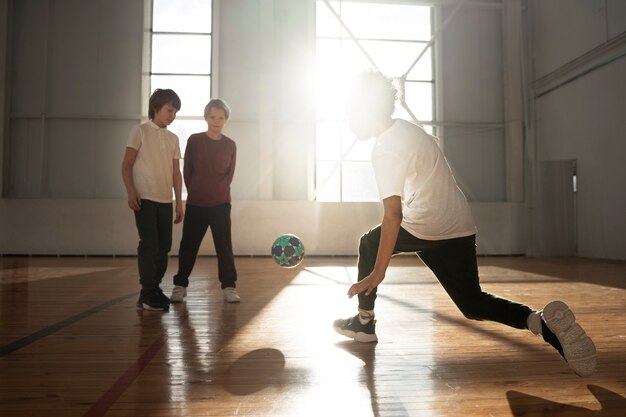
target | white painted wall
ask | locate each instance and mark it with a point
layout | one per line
(106, 227)
(566, 29)
(471, 87)
(586, 121)
(584, 116)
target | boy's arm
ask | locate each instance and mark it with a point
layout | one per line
(392, 218)
(178, 189)
(188, 165)
(233, 163)
(134, 199)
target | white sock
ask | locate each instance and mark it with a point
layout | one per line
(534, 323)
(365, 316)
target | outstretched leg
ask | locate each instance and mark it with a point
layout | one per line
(454, 264)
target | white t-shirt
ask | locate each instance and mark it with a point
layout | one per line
(409, 163)
(153, 170)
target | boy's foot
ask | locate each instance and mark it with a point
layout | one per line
(162, 296)
(178, 294)
(151, 300)
(230, 295)
(353, 329)
(575, 346)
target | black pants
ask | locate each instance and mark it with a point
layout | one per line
(197, 220)
(453, 261)
(154, 224)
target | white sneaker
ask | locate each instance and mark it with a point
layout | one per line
(178, 294)
(578, 348)
(230, 295)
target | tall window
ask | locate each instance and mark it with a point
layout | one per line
(353, 36)
(181, 59)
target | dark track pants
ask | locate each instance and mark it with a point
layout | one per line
(197, 221)
(453, 261)
(154, 224)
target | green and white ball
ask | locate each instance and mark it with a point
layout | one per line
(288, 250)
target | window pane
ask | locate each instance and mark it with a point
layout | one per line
(326, 23)
(423, 69)
(392, 21)
(330, 81)
(358, 182)
(418, 97)
(336, 60)
(327, 177)
(328, 141)
(181, 16)
(395, 58)
(178, 54)
(354, 149)
(194, 91)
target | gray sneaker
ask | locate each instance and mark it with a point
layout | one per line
(352, 328)
(230, 295)
(178, 294)
(577, 348)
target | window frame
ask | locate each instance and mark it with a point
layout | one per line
(338, 171)
(187, 122)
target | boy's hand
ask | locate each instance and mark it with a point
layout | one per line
(367, 284)
(134, 201)
(179, 214)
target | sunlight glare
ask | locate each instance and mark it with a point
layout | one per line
(347, 43)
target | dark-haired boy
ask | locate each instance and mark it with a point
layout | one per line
(150, 170)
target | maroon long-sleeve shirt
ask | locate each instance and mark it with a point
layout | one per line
(209, 169)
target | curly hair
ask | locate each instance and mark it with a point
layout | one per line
(374, 89)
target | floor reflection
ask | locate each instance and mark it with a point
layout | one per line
(367, 353)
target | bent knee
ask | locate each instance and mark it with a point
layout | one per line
(471, 312)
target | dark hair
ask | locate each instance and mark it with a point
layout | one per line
(160, 98)
(217, 104)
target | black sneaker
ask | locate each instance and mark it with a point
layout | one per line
(163, 297)
(151, 300)
(562, 332)
(353, 329)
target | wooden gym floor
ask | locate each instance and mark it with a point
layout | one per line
(72, 343)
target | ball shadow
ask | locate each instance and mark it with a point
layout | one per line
(255, 371)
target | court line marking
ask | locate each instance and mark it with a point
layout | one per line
(110, 397)
(119, 387)
(47, 331)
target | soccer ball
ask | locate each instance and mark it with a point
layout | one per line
(287, 250)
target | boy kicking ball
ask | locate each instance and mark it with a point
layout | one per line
(425, 212)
